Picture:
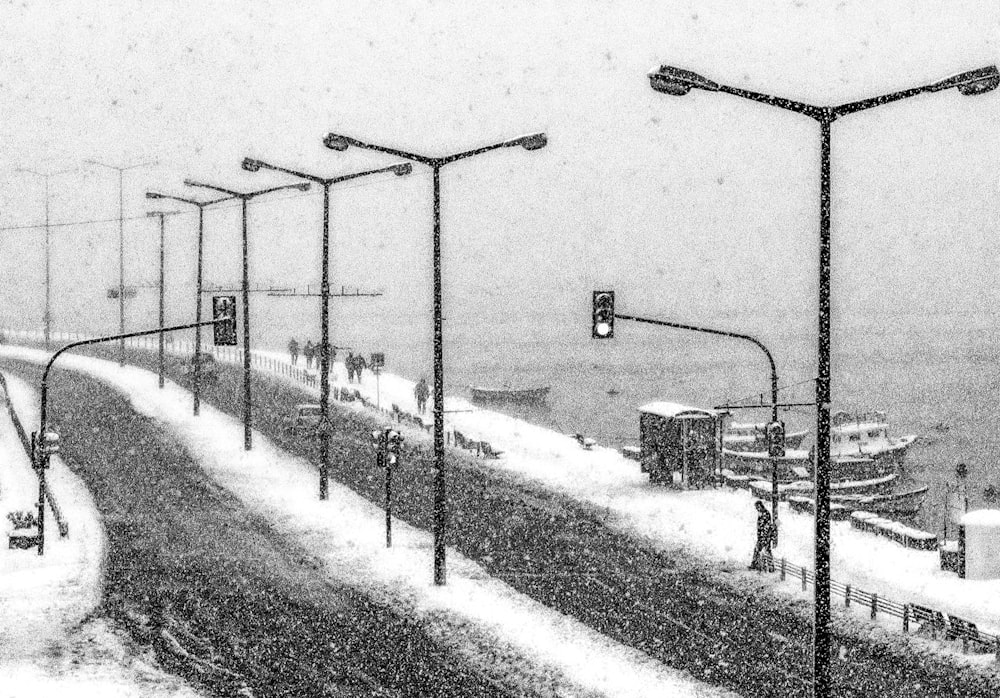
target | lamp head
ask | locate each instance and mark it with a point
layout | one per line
(678, 82)
(191, 183)
(251, 165)
(153, 195)
(972, 82)
(153, 214)
(304, 186)
(535, 141)
(334, 141)
(403, 169)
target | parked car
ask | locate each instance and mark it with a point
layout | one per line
(304, 418)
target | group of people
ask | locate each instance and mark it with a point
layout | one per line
(310, 351)
(355, 365)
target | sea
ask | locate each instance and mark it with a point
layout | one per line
(935, 376)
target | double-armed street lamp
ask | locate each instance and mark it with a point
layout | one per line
(196, 374)
(534, 141)
(252, 165)
(48, 252)
(121, 245)
(245, 198)
(678, 82)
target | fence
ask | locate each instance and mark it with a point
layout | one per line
(949, 627)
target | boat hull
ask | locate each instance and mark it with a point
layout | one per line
(518, 395)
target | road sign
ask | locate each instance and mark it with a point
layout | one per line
(224, 333)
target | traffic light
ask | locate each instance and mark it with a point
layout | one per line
(394, 442)
(776, 439)
(49, 443)
(224, 308)
(604, 315)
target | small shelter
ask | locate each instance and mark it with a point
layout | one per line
(680, 445)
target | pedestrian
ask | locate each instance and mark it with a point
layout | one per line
(359, 365)
(308, 350)
(421, 392)
(293, 350)
(349, 364)
(765, 536)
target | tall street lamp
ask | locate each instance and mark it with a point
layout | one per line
(244, 198)
(252, 165)
(677, 82)
(121, 246)
(534, 141)
(162, 215)
(196, 377)
(47, 320)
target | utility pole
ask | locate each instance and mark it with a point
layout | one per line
(47, 319)
(162, 215)
(121, 245)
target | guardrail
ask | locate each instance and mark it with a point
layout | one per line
(948, 626)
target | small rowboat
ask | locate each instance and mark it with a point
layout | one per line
(521, 395)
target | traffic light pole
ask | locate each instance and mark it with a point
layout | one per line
(41, 453)
(774, 391)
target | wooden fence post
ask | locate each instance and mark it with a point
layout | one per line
(847, 595)
(783, 563)
(906, 617)
(804, 573)
(874, 605)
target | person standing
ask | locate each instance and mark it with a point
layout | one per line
(765, 535)
(359, 365)
(421, 392)
(293, 350)
(349, 364)
(308, 351)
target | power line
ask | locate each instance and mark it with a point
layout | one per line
(95, 221)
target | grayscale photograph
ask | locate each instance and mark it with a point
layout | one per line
(512, 349)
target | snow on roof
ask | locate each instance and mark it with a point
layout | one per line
(673, 409)
(982, 517)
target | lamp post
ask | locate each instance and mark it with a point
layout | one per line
(47, 320)
(244, 198)
(121, 246)
(162, 215)
(196, 376)
(678, 82)
(533, 141)
(252, 165)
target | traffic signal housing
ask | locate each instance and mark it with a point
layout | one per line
(776, 439)
(224, 333)
(603, 326)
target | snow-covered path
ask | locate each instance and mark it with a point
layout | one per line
(503, 631)
(48, 646)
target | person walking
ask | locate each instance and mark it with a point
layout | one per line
(421, 392)
(293, 351)
(765, 536)
(349, 364)
(309, 351)
(359, 365)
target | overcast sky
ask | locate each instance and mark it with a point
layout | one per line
(693, 208)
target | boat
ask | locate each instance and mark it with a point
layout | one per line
(903, 502)
(872, 486)
(866, 435)
(752, 436)
(520, 395)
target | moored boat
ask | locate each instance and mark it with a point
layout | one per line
(506, 394)
(877, 485)
(752, 437)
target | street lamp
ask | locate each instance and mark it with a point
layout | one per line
(252, 165)
(244, 198)
(48, 256)
(196, 376)
(676, 81)
(162, 215)
(121, 246)
(534, 141)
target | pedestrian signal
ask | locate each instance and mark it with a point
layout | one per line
(224, 308)
(604, 315)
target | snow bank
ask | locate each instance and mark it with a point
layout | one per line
(347, 533)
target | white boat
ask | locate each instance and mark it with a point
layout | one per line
(872, 486)
(752, 437)
(866, 435)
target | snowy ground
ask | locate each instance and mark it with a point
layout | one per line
(719, 524)
(347, 533)
(48, 646)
